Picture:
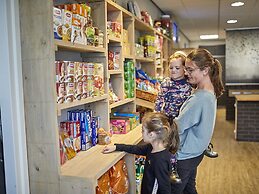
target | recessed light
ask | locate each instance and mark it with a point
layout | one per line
(237, 4)
(209, 36)
(232, 21)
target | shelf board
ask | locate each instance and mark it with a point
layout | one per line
(128, 56)
(113, 72)
(112, 6)
(142, 26)
(65, 45)
(92, 164)
(160, 34)
(145, 103)
(114, 39)
(159, 67)
(80, 102)
(145, 59)
(121, 102)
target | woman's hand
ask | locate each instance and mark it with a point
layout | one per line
(109, 149)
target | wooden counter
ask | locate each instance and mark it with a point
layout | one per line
(88, 166)
(246, 117)
(247, 97)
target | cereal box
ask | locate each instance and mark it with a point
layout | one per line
(57, 23)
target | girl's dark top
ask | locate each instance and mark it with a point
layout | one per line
(157, 166)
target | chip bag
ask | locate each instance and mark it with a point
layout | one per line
(103, 186)
(119, 178)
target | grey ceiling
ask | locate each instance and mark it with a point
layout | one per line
(196, 17)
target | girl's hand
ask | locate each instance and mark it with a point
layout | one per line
(109, 149)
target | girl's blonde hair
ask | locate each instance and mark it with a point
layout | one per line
(165, 129)
(177, 55)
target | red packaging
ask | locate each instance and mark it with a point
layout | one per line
(70, 89)
(78, 90)
(60, 89)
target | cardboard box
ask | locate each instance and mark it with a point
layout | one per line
(119, 126)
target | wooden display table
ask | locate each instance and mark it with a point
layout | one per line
(246, 117)
(81, 173)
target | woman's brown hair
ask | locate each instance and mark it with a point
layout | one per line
(203, 58)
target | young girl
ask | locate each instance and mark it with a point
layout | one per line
(174, 89)
(157, 133)
(173, 92)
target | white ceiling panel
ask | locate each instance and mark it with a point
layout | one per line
(196, 17)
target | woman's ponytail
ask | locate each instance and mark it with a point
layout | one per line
(173, 138)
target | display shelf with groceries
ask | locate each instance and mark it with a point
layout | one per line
(93, 56)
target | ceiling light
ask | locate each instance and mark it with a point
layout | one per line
(232, 21)
(237, 4)
(211, 36)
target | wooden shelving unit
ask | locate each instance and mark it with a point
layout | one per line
(43, 114)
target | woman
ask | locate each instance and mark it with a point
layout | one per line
(197, 116)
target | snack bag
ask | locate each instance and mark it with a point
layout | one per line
(119, 178)
(70, 152)
(103, 186)
(62, 151)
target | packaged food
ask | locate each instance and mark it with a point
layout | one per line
(98, 79)
(62, 151)
(103, 185)
(116, 60)
(69, 71)
(70, 89)
(57, 23)
(104, 137)
(66, 25)
(78, 90)
(119, 126)
(60, 89)
(119, 178)
(111, 60)
(60, 71)
(78, 71)
(70, 152)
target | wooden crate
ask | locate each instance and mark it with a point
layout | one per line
(146, 95)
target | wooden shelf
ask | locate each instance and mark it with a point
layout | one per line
(92, 164)
(145, 59)
(121, 102)
(114, 72)
(128, 56)
(80, 102)
(112, 6)
(145, 103)
(114, 39)
(65, 45)
(164, 36)
(142, 26)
